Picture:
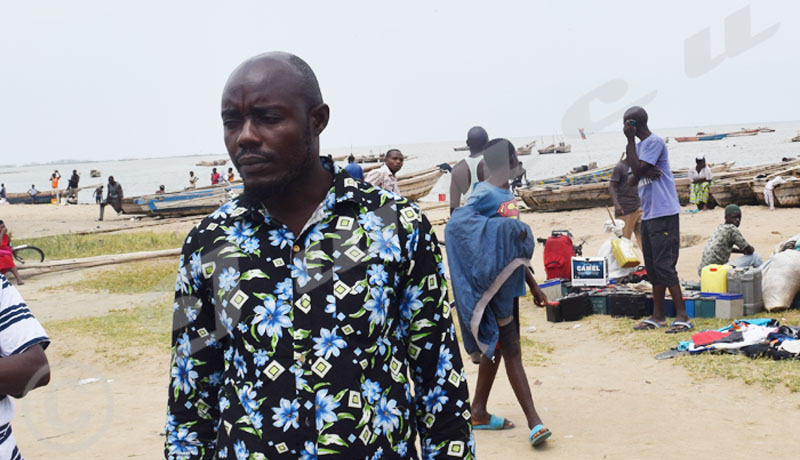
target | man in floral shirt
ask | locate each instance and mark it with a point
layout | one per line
(311, 314)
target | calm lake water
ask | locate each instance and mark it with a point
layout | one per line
(145, 175)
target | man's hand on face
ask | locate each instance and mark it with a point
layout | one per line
(629, 129)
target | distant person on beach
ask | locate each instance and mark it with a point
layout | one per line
(385, 177)
(353, 168)
(161, 190)
(23, 362)
(192, 180)
(7, 263)
(649, 163)
(769, 195)
(491, 323)
(72, 185)
(32, 192)
(54, 178)
(98, 194)
(2, 191)
(627, 205)
(113, 197)
(311, 312)
(700, 183)
(230, 177)
(727, 239)
(469, 171)
(215, 176)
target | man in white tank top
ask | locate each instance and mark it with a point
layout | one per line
(468, 171)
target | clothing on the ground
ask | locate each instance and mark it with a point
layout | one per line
(659, 196)
(19, 330)
(633, 225)
(339, 338)
(6, 254)
(661, 247)
(719, 246)
(472, 164)
(355, 170)
(627, 194)
(383, 178)
(483, 253)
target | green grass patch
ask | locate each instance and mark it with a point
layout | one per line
(70, 246)
(120, 334)
(128, 278)
(763, 371)
(535, 353)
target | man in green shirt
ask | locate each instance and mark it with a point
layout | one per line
(721, 244)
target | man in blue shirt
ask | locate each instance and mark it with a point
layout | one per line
(649, 162)
(353, 168)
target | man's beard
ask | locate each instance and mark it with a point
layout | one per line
(257, 193)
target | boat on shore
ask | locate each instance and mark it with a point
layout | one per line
(687, 139)
(711, 137)
(743, 132)
(190, 202)
(211, 163)
(527, 148)
(553, 148)
(766, 130)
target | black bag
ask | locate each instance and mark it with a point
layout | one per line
(570, 308)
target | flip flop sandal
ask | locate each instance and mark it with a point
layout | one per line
(647, 325)
(536, 437)
(495, 423)
(679, 326)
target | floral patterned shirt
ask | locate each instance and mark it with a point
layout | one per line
(336, 343)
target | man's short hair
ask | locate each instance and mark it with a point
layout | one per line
(497, 153)
(351, 158)
(309, 86)
(477, 137)
(391, 151)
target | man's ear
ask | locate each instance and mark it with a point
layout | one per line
(319, 116)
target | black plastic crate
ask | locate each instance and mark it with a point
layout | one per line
(630, 305)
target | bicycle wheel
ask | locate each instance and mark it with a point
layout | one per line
(27, 252)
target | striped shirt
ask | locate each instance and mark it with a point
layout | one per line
(19, 330)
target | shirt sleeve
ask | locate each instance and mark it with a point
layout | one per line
(738, 239)
(441, 395)
(19, 329)
(196, 362)
(707, 173)
(650, 151)
(616, 175)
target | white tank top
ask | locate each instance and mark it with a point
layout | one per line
(472, 164)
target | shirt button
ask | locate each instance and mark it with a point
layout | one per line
(296, 248)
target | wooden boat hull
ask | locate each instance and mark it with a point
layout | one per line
(787, 195)
(43, 197)
(744, 132)
(186, 203)
(687, 139)
(734, 192)
(711, 137)
(758, 192)
(418, 185)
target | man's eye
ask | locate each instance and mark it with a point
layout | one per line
(231, 124)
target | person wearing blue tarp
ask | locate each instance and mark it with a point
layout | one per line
(489, 259)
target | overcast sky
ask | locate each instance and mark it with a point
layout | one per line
(85, 79)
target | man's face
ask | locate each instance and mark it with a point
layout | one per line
(266, 126)
(394, 161)
(735, 218)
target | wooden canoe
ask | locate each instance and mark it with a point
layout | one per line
(416, 186)
(739, 192)
(185, 203)
(687, 139)
(787, 195)
(743, 132)
(527, 148)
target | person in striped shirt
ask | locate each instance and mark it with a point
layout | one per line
(23, 363)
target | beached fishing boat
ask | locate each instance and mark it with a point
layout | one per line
(94, 173)
(711, 137)
(527, 148)
(552, 148)
(184, 203)
(43, 197)
(787, 195)
(687, 139)
(743, 132)
(766, 130)
(739, 192)
(211, 163)
(418, 184)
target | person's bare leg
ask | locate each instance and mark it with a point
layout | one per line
(677, 298)
(487, 370)
(15, 272)
(516, 376)
(659, 292)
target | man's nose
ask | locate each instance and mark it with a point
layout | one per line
(248, 134)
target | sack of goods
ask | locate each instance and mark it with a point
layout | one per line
(780, 280)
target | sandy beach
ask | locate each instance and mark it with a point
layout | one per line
(602, 396)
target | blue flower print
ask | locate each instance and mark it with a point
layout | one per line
(315, 234)
(182, 281)
(370, 221)
(256, 419)
(309, 452)
(240, 449)
(445, 361)
(226, 321)
(281, 237)
(401, 448)
(283, 289)
(261, 358)
(371, 391)
(239, 364)
(286, 414)
(387, 415)
(238, 232)
(330, 304)
(429, 450)
(228, 278)
(183, 375)
(378, 454)
(377, 275)
(224, 210)
(300, 271)
(328, 343)
(247, 399)
(184, 345)
(325, 406)
(410, 302)
(386, 244)
(299, 381)
(272, 317)
(250, 246)
(411, 242)
(435, 400)
(183, 443)
(377, 305)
